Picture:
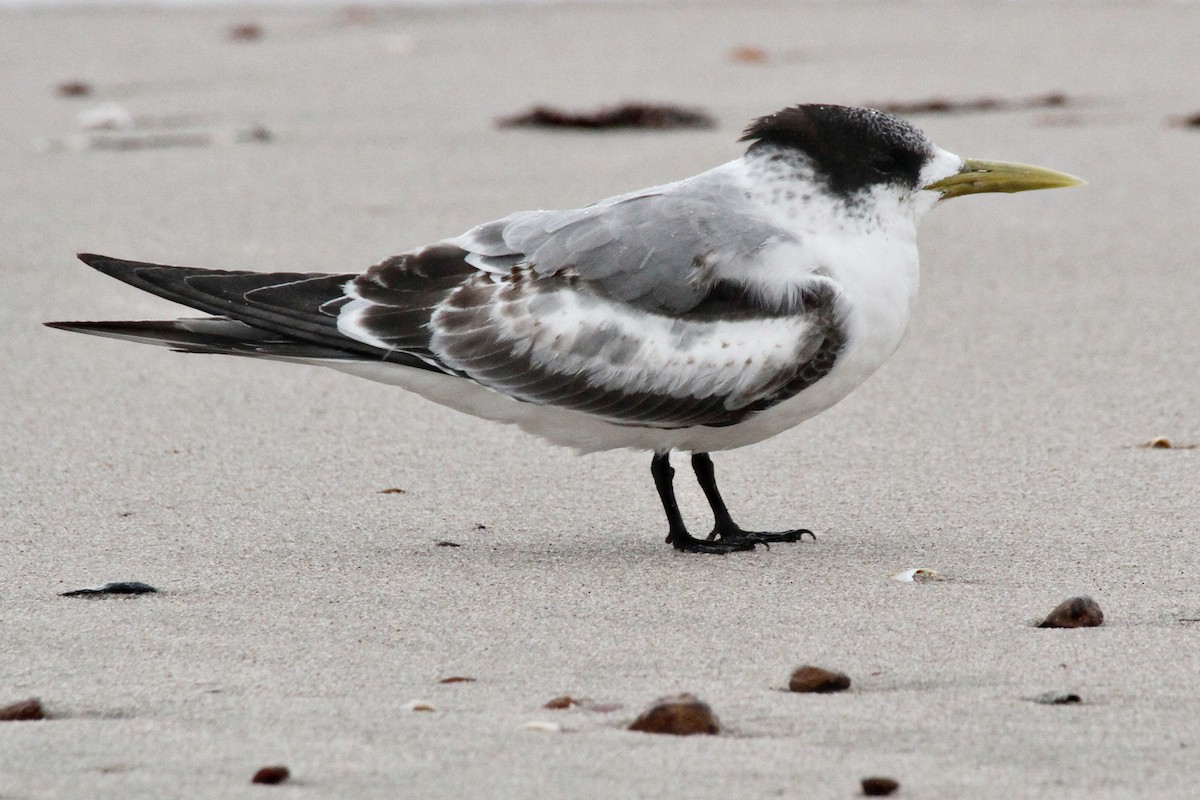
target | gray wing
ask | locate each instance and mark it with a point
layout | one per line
(639, 309)
(654, 249)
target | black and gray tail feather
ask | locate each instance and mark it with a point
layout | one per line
(279, 315)
(208, 335)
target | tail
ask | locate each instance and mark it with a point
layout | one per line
(208, 335)
(283, 315)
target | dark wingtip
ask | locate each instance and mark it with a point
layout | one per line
(92, 259)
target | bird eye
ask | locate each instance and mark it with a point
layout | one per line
(885, 164)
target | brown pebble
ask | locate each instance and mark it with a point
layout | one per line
(879, 787)
(277, 773)
(392, 491)
(748, 54)
(814, 679)
(23, 711)
(1075, 612)
(74, 89)
(682, 715)
(247, 32)
(565, 701)
(457, 679)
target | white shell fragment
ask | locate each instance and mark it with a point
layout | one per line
(542, 727)
(420, 705)
(107, 117)
(916, 575)
(145, 140)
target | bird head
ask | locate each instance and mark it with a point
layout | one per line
(861, 155)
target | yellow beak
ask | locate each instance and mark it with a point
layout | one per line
(978, 176)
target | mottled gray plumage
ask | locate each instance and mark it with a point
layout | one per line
(648, 248)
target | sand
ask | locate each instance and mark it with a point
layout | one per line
(301, 610)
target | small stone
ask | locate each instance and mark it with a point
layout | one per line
(420, 705)
(682, 715)
(117, 587)
(815, 679)
(23, 711)
(445, 543)
(1075, 612)
(74, 89)
(276, 773)
(457, 679)
(393, 490)
(247, 32)
(879, 787)
(748, 54)
(565, 701)
(1057, 698)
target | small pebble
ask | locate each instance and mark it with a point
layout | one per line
(445, 543)
(74, 89)
(277, 773)
(1057, 698)
(815, 679)
(23, 711)
(565, 701)
(748, 54)
(682, 715)
(1163, 443)
(420, 705)
(392, 491)
(879, 787)
(117, 587)
(457, 679)
(1075, 612)
(247, 32)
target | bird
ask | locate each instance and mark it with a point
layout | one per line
(697, 316)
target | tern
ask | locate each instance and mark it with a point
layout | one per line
(698, 316)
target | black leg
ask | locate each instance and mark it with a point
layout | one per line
(725, 529)
(677, 535)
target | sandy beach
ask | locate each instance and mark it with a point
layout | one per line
(301, 608)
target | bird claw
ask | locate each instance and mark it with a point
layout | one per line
(686, 543)
(734, 533)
